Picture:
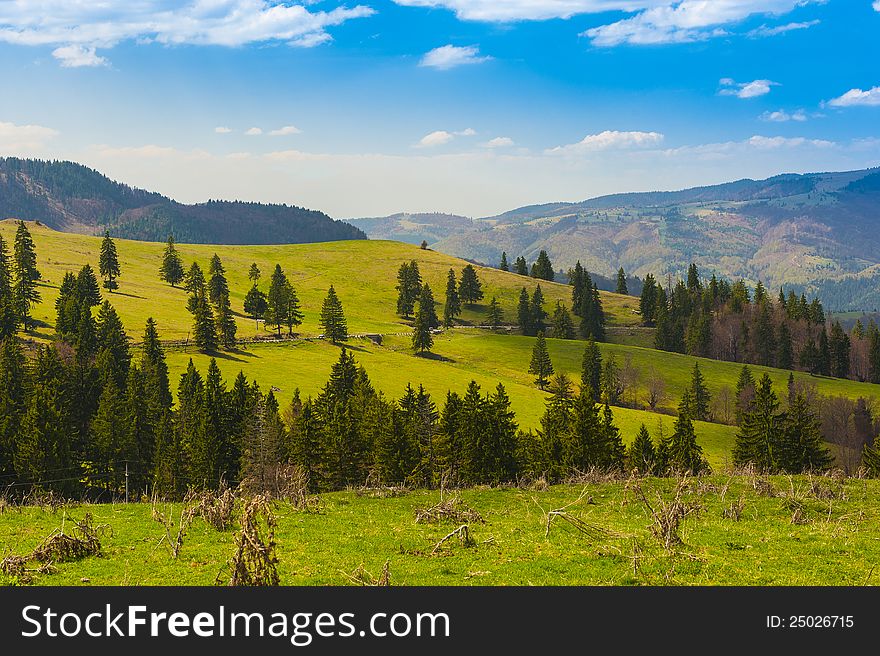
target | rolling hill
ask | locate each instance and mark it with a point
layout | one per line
(815, 233)
(363, 273)
(71, 197)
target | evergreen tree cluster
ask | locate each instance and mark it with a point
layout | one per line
(18, 282)
(773, 441)
(587, 304)
(729, 322)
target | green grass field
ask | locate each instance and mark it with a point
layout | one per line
(364, 274)
(835, 541)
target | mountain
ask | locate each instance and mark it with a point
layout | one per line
(814, 232)
(414, 228)
(73, 198)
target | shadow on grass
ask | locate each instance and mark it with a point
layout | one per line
(434, 356)
(124, 294)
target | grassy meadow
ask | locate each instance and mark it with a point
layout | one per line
(737, 531)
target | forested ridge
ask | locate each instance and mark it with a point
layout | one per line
(74, 198)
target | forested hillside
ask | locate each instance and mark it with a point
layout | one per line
(73, 198)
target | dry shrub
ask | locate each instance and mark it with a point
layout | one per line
(827, 488)
(799, 515)
(594, 476)
(667, 515)
(216, 508)
(452, 510)
(82, 541)
(360, 576)
(175, 531)
(383, 491)
(464, 538)
(59, 546)
(734, 510)
(254, 562)
(591, 531)
(282, 483)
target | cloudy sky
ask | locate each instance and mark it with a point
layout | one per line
(465, 106)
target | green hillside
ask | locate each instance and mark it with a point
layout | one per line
(363, 273)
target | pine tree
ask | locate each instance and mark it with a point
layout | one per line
(8, 315)
(218, 287)
(621, 282)
(685, 455)
(43, 455)
(452, 307)
(536, 308)
(291, 312)
(583, 444)
(194, 284)
(693, 278)
(614, 452)
(520, 266)
(785, 352)
(87, 290)
(495, 315)
(591, 370)
(470, 290)
(255, 303)
(802, 447)
(562, 328)
(204, 326)
(761, 430)
(276, 299)
(422, 339)
(25, 275)
(610, 388)
(543, 268)
(333, 318)
(577, 278)
(226, 326)
(839, 346)
(504, 266)
(108, 263)
(254, 274)
(700, 398)
(305, 444)
(540, 364)
(409, 286)
(171, 270)
(765, 336)
(642, 456)
(112, 345)
(823, 358)
(648, 301)
(13, 381)
(524, 313)
(110, 445)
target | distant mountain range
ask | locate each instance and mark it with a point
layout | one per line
(817, 232)
(73, 198)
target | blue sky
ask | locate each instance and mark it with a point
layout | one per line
(464, 106)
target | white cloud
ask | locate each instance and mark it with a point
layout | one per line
(499, 142)
(449, 56)
(467, 132)
(782, 116)
(436, 138)
(21, 138)
(764, 30)
(685, 21)
(854, 97)
(254, 132)
(766, 143)
(611, 140)
(77, 29)
(147, 152)
(220, 129)
(751, 89)
(876, 5)
(75, 56)
(285, 131)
